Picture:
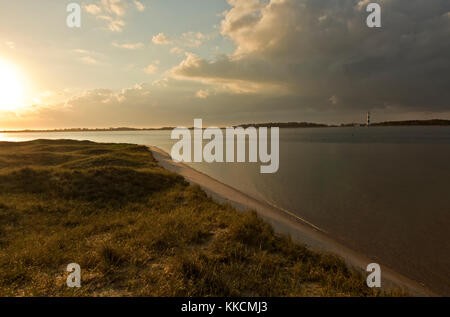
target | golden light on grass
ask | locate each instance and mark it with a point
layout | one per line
(11, 86)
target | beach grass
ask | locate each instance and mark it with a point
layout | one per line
(139, 230)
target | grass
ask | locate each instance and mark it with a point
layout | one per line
(138, 230)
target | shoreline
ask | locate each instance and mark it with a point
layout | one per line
(285, 222)
(282, 125)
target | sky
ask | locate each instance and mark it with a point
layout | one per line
(153, 63)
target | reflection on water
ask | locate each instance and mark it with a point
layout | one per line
(382, 191)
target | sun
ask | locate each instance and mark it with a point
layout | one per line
(11, 86)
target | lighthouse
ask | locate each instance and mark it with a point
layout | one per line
(368, 118)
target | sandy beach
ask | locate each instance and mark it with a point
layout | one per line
(285, 222)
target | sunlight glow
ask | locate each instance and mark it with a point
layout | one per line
(11, 87)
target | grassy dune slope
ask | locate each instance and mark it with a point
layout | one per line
(137, 229)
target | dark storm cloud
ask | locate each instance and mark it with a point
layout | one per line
(322, 53)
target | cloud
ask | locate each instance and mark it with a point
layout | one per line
(92, 9)
(114, 7)
(236, 75)
(152, 68)
(114, 25)
(334, 99)
(177, 50)
(305, 51)
(129, 46)
(139, 6)
(202, 94)
(89, 60)
(143, 104)
(81, 51)
(192, 39)
(185, 40)
(112, 11)
(161, 39)
(88, 57)
(172, 102)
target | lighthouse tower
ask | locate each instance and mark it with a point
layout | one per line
(368, 118)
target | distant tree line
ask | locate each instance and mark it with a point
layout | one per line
(433, 122)
(285, 125)
(413, 122)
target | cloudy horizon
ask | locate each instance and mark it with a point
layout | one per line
(163, 63)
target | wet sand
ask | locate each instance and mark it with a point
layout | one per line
(285, 222)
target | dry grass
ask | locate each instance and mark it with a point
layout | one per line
(139, 230)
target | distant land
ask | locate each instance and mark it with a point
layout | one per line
(87, 130)
(285, 125)
(433, 122)
(413, 122)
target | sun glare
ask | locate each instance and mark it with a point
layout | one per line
(11, 87)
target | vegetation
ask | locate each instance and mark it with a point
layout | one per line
(89, 130)
(434, 122)
(138, 230)
(281, 125)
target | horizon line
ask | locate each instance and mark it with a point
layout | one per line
(292, 124)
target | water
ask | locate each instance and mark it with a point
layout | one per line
(383, 191)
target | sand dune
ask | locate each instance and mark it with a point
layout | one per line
(285, 222)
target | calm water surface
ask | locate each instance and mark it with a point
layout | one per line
(384, 191)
